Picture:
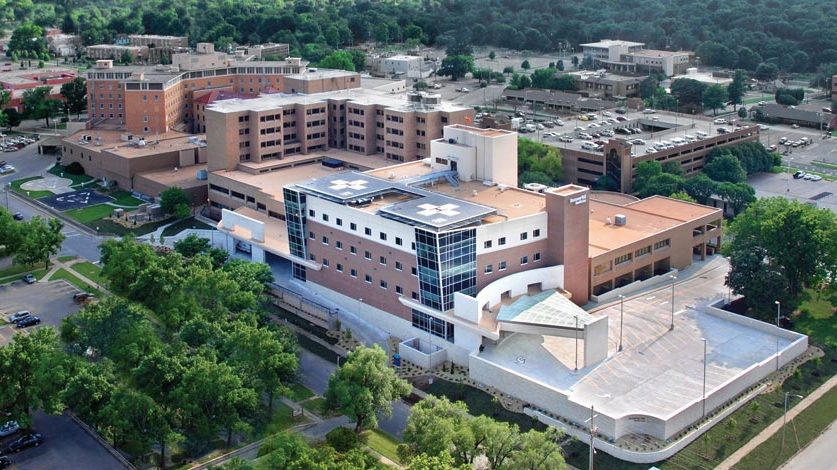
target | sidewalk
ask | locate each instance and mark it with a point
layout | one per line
(776, 426)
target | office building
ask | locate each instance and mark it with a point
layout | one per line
(633, 58)
(156, 99)
(116, 52)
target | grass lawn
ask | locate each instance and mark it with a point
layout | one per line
(481, 404)
(317, 406)
(90, 271)
(32, 194)
(299, 392)
(124, 198)
(65, 259)
(38, 273)
(188, 222)
(817, 319)
(72, 279)
(112, 228)
(283, 418)
(89, 214)
(58, 170)
(806, 427)
(383, 443)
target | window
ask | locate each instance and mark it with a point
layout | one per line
(325, 240)
(415, 295)
(353, 250)
(367, 231)
(488, 269)
(382, 236)
(325, 217)
(486, 244)
(353, 226)
(398, 266)
(339, 268)
(413, 271)
(622, 259)
(662, 244)
(433, 325)
(501, 266)
(367, 279)
(536, 257)
(524, 235)
(339, 222)
(642, 251)
(383, 284)
(399, 290)
(367, 254)
(325, 262)
(353, 272)
(311, 213)
(501, 241)
(382, 260)
(311, 235)
(536, 233)
(524, 260)
(339, 245)
(399, 241)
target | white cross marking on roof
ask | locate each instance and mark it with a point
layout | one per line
(355, 185)
(432, 209)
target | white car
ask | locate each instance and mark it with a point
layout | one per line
(593, 124)
(7, 169)
(559, 122)
(650, 150)
(720, 121)
(763, 127)
(607, 113)
(648, 111)
(808, 176)
(816, 177)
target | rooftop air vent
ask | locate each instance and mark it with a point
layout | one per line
(621, 219)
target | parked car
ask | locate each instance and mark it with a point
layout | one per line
(23, 442)
(798, 174)
(5, 462)
(648, 111)
(29, 279)
(17, 316)
(720, 121)
(17, 216)
(608, 114)
(6, 169)
(826, 110)
(11, 427)
(816, 177)
(772, 148)
(808, 176)
(27, 322)
(621, 111)
(621, 118)
(81, 297)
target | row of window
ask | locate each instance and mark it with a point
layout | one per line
(352, 226)
(502, 265)
(502, 240)
(367, 278)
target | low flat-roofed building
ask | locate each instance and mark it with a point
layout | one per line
(139, 163)
(777, 113)
(17, 81)
(557, 100)
(607, 85)
(117, 52)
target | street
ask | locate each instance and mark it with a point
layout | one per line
(818, 454)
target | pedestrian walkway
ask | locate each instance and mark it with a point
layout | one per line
(776, 426)
(57, 264)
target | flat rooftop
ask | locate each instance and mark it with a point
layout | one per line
(511, 202)
(645, 218)
(320, 74)
(659, 371)
(275, 231)
(659, 53)
(115, 142)
(185, 177)
(358, 95)
(481, 131)
(612, 42)
(272, 183)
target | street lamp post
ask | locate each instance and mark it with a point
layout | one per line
(785, 414)
(673, 280)
(703, 413)
(576, 343)
(621, 314)
(593, 431)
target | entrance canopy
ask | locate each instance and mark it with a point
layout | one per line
(547, 312)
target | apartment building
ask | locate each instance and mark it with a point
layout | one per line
(262, 131)
(156, 99)
(117, 52)
(158, 41)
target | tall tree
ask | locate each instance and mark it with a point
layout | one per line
(341, 60)
(714, 97)
(736, 89)
(700, 187)
(175, 201)
(37, 104)
(456, 66)
(40, 240)
(365, 386)
(75, 95)
(779, 246)
(725, 167)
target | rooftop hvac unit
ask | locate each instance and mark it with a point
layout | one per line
(502, 187)
(621, 219)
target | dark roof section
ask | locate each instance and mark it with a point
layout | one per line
(561, 99)
(787, 113)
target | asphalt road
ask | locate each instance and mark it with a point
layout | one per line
(49, 301)
(66, 447)
(819, 454)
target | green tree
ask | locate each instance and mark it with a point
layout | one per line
(738, 195)
(456, 66)
(75, 95)
(358, 59)
(525, 65)
(543, 78)
(689, 92)
(742, 112)
(664, 184)
(538, 451)
(40, 239)
(13, 118)
(33, 373)
(565, 83)
(682, 196)
(777, 247)
(736, 89)
(123, 260)
(673, 168)
(508, 69)
(364, 386)
(37, 104)
(341, 60)
(560, 65)
(11, 233)
(175, 201)
(700, 187)
(725, 167)
(538, 160)
(492, 55)
(192, 245)
(714, 97)
(644, 172)
(27, 40)
(441, 461)
(767, 71)
(647, 87)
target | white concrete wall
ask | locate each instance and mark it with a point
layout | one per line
(230, 220)
(595, 341)
(495, 156)
(464, 156)
(551, 277)
(411, 350)
(511, 230)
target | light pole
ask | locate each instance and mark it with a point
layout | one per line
(593, 431)
(6, 189)
(703, 413)
(576, 343)
(785, 414)
(621, 314)
(790, 160)
(778, 311)
(673, 280)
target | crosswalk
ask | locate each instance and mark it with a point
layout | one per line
(68, 232)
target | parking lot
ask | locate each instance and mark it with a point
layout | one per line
(822, 193)
(49, 301)
(66, 447)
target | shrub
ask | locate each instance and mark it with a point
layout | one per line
(74, 168)
(343, 439)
